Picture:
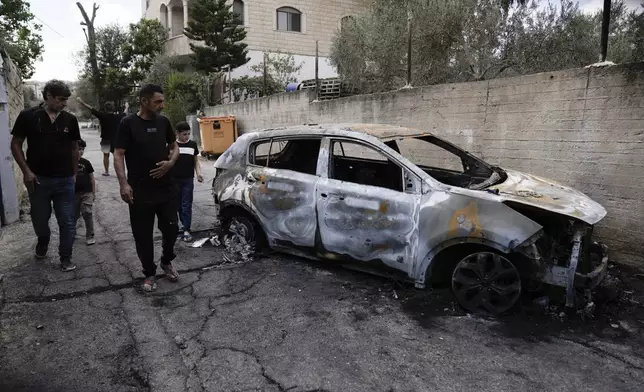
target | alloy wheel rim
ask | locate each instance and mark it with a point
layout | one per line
(486, 281)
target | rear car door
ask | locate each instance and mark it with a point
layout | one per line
(368, 205)
(281, 174)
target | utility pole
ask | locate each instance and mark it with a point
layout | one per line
(409, 26)
(605, 26)
(317, 69)
(265, 76)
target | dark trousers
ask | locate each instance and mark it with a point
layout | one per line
(186, 189)
(142, 222)
(58, 191)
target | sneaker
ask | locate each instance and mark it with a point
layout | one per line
(66, 265)
(170, 272)
(90, 241)
(187, 237)
(149, 284)
(106, 174)
(41, 249)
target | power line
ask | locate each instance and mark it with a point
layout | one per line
(52, 29)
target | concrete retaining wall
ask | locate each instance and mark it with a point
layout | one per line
(581, 127)
(14, 194)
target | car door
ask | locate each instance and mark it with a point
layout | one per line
(367, 205)
(282, 180)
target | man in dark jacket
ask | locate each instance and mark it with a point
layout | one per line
(50, 167)
(109, 121)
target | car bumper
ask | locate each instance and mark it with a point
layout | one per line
(593, 278)
(563, 276)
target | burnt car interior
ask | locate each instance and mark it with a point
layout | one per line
(356, 163)
(300, 155)
(445, 162)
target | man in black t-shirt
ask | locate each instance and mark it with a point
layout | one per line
(109, 120)
(49, 170)
(184, 174)
(142, 143)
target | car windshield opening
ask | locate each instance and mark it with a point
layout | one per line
(446, 163)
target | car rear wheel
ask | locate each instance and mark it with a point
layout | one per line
(486, 281)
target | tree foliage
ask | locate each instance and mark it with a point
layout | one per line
(124, 57)
(464, 40)
(221, 31)
(20, 35)
(281, 69)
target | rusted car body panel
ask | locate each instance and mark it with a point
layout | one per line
(405, 230)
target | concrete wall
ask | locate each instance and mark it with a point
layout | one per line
(11, 103)
(582, 127)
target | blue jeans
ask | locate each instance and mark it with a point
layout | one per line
(60, 192)
(186, 189)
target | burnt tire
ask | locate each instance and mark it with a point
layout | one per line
(240, 228)
(486, 281)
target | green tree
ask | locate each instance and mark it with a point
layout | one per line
(144, 44)
(280, 68)
(181, 97)
(20, 36)
(124, 57)
(219, 28)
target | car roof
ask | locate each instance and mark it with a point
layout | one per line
(384, 132)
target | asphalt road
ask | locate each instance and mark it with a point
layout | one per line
(278, 323)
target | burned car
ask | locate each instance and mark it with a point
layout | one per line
(400, 201)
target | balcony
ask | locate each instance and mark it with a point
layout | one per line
(177, 46)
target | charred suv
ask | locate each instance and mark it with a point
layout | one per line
(402, 201)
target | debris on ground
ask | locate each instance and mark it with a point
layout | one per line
(39, 326)
(178, 340)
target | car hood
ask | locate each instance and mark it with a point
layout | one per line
(548, 195)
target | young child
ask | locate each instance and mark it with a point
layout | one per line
(184, 173)
(85, 193)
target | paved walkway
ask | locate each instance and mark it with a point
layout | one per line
(273, 324)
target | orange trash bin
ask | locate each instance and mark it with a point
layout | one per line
(217, 134)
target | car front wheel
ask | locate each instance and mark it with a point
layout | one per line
(486, 281)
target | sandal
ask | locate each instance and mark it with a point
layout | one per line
(170, 272)
(149, 284)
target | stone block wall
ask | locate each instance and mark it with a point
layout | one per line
(580, 127)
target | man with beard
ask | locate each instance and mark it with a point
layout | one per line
(142, 142)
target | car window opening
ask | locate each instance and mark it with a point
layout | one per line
(299, 155)
(359, 164)
(447, 163)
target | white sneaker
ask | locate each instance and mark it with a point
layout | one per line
(90, 241)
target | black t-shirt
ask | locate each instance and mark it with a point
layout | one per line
(109, 124)
(146, 143)
(83, 178)
(185, 166)
(49, 145)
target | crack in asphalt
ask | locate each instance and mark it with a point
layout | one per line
(271, 380)
(117, 287)
(599, 351)
(143, 381)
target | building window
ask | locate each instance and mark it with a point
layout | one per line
(347, 22)
(289, 19)
(238, 9)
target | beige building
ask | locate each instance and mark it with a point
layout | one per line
(289, 26)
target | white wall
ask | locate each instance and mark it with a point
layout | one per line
(307, 71)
